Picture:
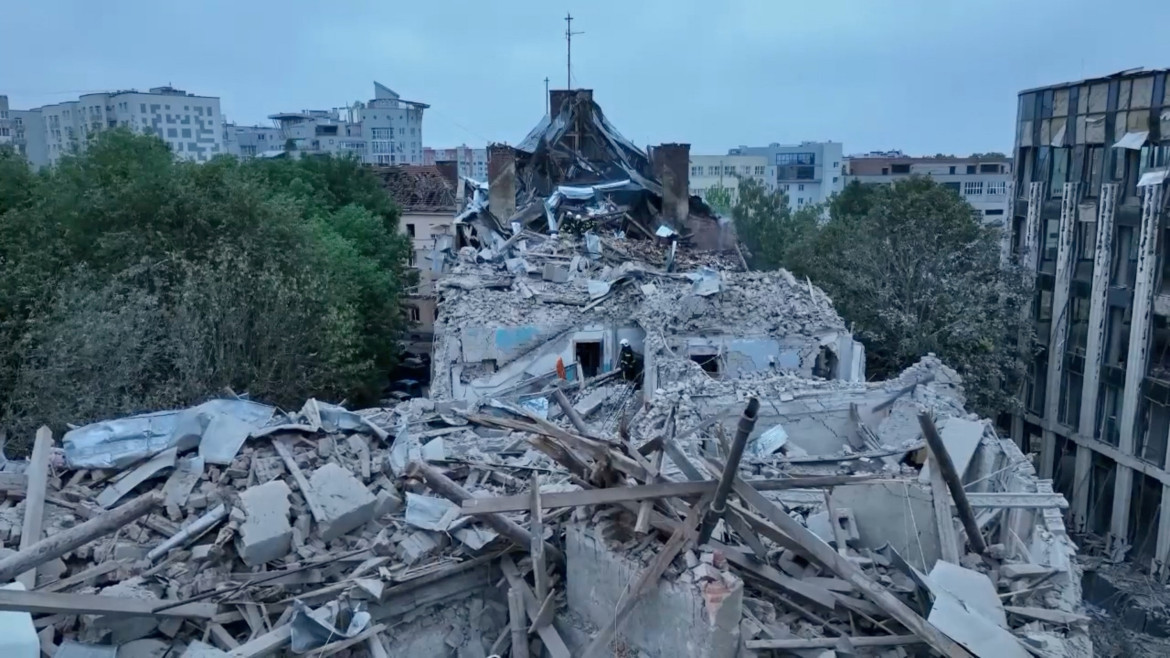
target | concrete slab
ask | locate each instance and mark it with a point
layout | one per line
(265, 533)
(71, 649)
(344, 501)
(961, 437)
(896, 512)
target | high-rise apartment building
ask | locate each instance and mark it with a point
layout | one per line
(1089, 226)
(189, 124)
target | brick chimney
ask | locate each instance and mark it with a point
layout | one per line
(557, 97)
(672, 167)
(449, 170)
(502, 181)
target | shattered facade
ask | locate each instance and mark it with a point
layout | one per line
(1089, 228)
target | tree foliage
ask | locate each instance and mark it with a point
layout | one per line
(719, 198)
(131, 281)
(768, 227)
(912, 271)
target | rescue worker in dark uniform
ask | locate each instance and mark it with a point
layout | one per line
(629, 363)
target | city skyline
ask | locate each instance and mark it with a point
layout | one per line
(875, 76)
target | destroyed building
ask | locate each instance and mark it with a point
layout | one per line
(748, 493)
(504, 326)
(574, 247)
(427, 197)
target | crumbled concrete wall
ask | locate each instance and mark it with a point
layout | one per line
(696, 615)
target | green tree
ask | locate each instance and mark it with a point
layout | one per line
(913, 272)
(719, 198)
(990, 155)
(131, 281)
(767, 227)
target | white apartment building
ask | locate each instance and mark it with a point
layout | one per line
(189, 124)
(983, 182)
(725, 171)
(471, 162)
(385, 130)
(809, 172)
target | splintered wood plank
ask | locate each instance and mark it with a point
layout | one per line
(34, 500)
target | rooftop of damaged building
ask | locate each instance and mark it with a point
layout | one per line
(420, 188)
(509, 314)
(575, 170)
(585, 526)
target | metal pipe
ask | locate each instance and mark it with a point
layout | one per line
(747, 422)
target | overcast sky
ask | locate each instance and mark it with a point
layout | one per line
(923, 76)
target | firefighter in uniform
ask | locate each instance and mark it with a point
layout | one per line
(628, 361)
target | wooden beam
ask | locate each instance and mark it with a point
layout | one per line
(948, 539)
(954, 482)
(284, 449)
(850, 572)
(91, 604)
(539, 569)
(516, 623)
(611, 495)
(34, 499)
(13, 483)
(797, 643)
(444, 486)
(60, 543)
(85, 576)
(548, 633)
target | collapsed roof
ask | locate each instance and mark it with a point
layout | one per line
(576, 173)
(417, 188)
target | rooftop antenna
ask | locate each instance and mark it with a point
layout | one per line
(569, 49)
(546, 100)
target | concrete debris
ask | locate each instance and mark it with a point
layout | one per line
(556, 494)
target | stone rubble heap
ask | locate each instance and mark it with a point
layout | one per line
(585, 525)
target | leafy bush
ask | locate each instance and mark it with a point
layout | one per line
(130, 281)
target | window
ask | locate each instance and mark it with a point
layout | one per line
(759, 170)
(800, 187)
(993, 213)
(713, 171)
(796, 158)
(955, 187)
(885, 171)
(410, 230)
(696, 171)
(410, 259)
(997, 187)
(729, 170)
(414, 314)
(900, 168)
(172, 132)
(746, 169)
(187, 133)
(836, 164)
(973, 188)
(952, 172)
(142, 107)
(834, 179)
(381, 133)
(970, 169)
(989, 168)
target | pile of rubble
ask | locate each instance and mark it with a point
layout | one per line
(775, 515)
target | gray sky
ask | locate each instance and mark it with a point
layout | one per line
(921, 75)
